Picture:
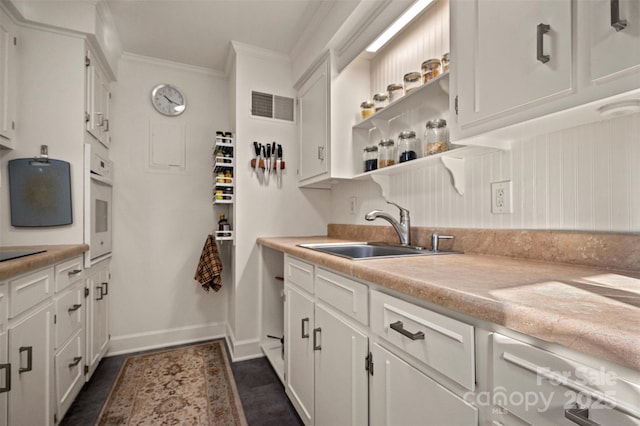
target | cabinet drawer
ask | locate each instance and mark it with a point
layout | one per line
(29, 290)
(442, 343)
(299, 273)
(3, 306)
(538, 386)
(343, 294)
(69, 310)
(69, 366)
(68, 273)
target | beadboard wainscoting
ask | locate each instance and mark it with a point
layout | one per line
(583, 178)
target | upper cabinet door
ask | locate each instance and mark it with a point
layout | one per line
(313, 98)
(8, 72)
(507, 64)
(615, 29)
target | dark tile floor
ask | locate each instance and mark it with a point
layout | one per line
(263, 398)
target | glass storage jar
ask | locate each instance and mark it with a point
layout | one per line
(380, 100)
(395, 91)
(430, 69)
(407, 146)
(436, 136)
(370, 157)
(366, 109)
(445, 62)
(386, 153)
(411, 82)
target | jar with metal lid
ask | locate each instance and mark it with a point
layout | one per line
(366, 109)
(445, 62)
(430, 69)
(437, 137)
(380, 100)
(411, 82)
(407, 146)
(386, 153)
(370, 157)
(395, 91)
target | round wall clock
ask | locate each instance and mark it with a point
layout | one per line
(168, 100)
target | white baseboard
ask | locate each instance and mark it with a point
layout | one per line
(242, 350)
(158, 339)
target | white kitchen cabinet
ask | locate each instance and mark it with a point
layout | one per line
(325, 353)
(615, 37)
(506, 65)
(314, 125)
(402, 395)
(8, 82)
(97, 303)
(5, 366)
(30, 356)
(539, 387)
(97, 100)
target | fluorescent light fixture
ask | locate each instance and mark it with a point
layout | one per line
(406, 17)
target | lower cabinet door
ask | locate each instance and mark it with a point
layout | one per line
(402, 395)
(30, 398)
(298, 318)
(69, 372)
(341, 378)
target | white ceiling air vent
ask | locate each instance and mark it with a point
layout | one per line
(271, 106)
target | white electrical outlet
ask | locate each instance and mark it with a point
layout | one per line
(501, 195)
(353, 205)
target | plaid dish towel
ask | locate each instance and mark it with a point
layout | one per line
(209, 266)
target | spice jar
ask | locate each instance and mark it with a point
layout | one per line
(411, 82)
(219, 194)
(386, 153)
(228, 176)
(407, 145)
(445, 62)
(395, 91)
(370, 157)
(430, 69)
(380, 100)
(366, 109)
(220, 178)
(437, 137)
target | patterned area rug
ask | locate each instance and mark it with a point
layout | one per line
(192, 385)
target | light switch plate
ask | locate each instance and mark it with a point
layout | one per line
(501, 197)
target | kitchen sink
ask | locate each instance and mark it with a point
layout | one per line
(365, 250)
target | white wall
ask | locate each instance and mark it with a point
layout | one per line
(264, 209)
(161, 218)
(584, 178)
(50, 107)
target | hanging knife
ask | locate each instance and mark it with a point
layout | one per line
(256, 147)
(264, 154)
(279, 161)
(267, 159)
(272, 160)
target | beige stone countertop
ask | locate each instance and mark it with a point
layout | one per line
(53, 254)
(590, 310)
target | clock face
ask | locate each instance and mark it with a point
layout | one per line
(168, 100)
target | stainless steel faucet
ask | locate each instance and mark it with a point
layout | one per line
(403, 227)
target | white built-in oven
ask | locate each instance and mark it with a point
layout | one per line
(99, 226)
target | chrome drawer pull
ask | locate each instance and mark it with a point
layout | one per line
(7, 377)
(74, 307)
(579, 416)
(29, 351)
(76, 361)
(542, 29)
(316, 346)
(617, 23)
(74, 272)
(305, 335)
(397, 326)
(105, 288)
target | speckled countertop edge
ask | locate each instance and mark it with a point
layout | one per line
(590, 310)
(53, 254)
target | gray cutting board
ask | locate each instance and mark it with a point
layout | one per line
(40, 192)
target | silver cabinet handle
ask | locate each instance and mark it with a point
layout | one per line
(616, 22)
(316, 346)
(105, 288)
(29, 351)
(7, 377)
(305, 335)
(74, 308)
(99, 289)
(397, 326)
(106, 124)
(320, 152)
(76, 361)
(579, 416)
(541, 31)
(74, 272)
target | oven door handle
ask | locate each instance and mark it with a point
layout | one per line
(101, 179)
